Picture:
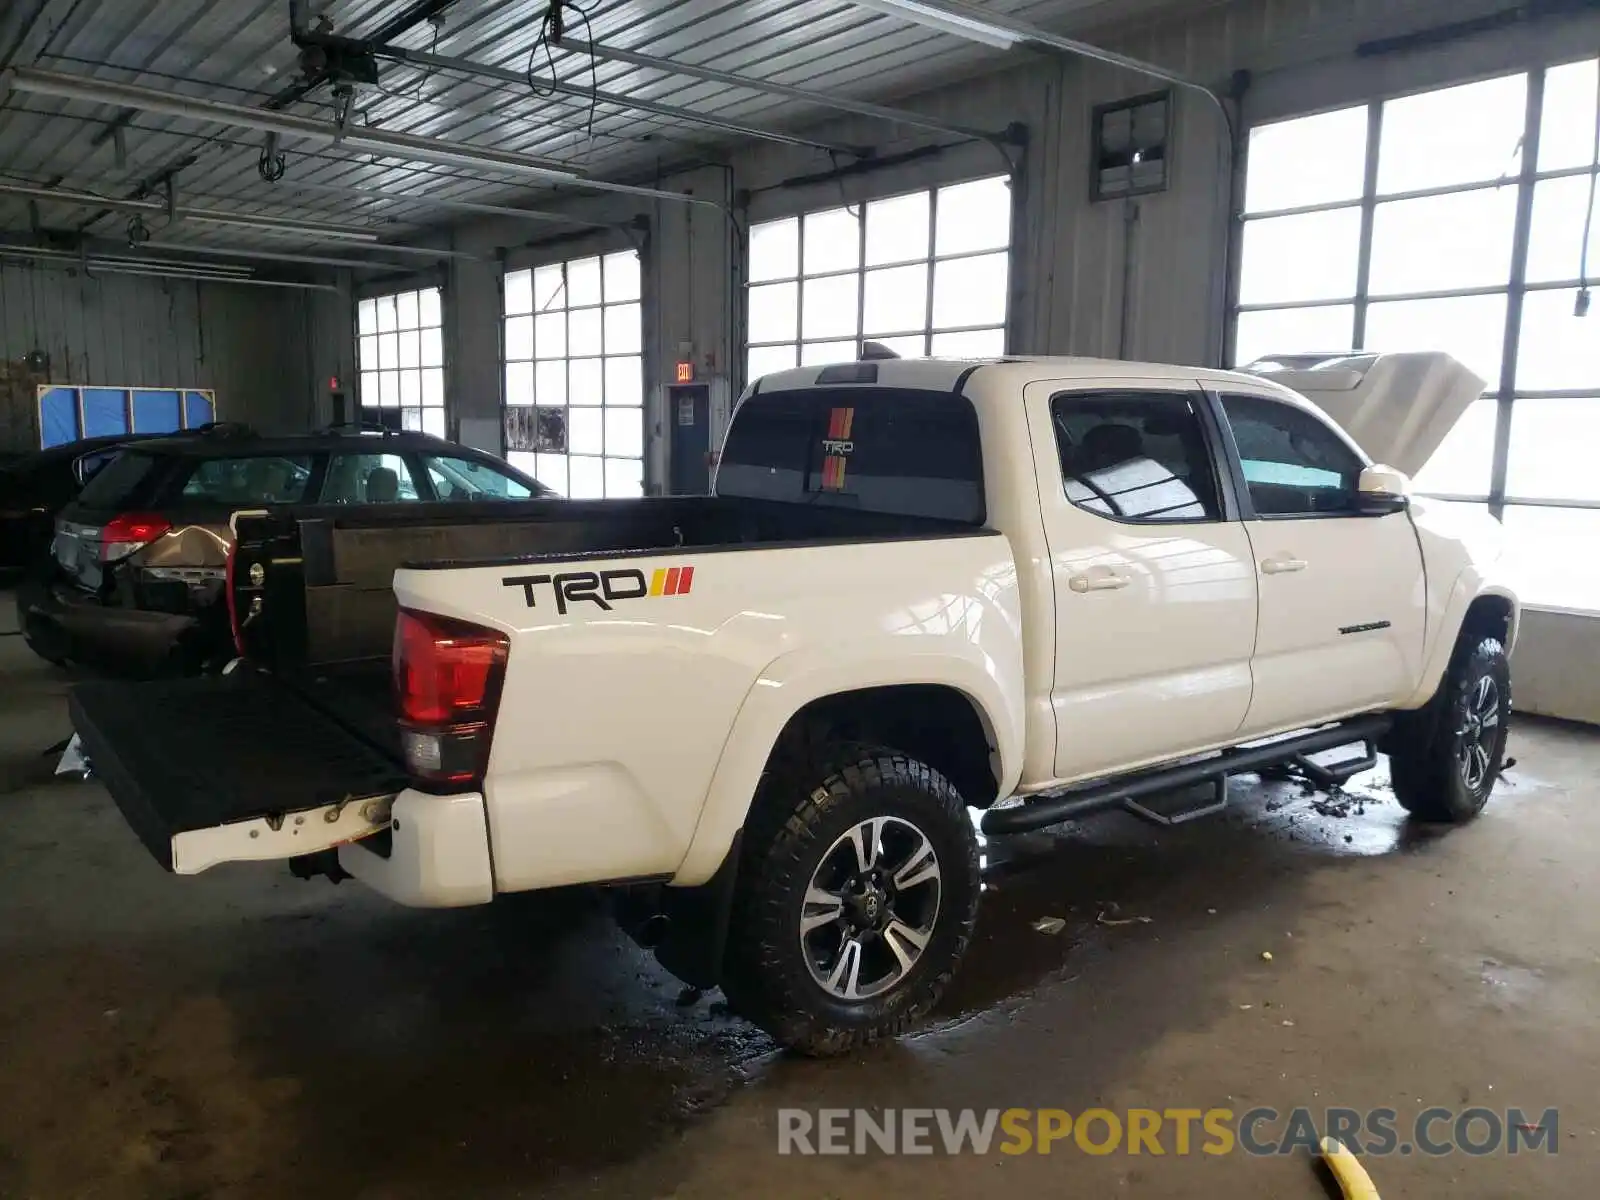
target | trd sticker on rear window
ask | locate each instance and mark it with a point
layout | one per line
(836, 448)
(602, 588)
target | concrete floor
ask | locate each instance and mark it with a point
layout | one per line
(242, 1034)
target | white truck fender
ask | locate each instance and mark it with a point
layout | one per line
(1470, 586)
(794, 680)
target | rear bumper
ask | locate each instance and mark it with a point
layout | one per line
(438, 853)
(99, 630)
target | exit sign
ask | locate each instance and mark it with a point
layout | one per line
(683, 372)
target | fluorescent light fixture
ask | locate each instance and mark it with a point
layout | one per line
(961, 20)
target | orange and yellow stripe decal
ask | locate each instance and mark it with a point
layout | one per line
(833, 472)
(671, 581)
(839, 422)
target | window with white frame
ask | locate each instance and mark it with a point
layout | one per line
(1461, 219)
(401, 348)
(574, 375)
(923, 273)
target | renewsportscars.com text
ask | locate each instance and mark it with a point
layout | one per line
(1177, 1131)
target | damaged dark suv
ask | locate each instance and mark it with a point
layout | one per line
(134, 579)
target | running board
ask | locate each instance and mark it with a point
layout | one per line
(1124, 791)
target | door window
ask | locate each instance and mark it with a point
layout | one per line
(469, 479)
(1135, 456)
(1294, 465)
(257, 479)
(368, 479)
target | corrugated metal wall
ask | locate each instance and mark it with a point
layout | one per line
(254, 346)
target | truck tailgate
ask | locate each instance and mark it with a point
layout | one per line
(231, 768)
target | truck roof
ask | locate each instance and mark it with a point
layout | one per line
(943, 374)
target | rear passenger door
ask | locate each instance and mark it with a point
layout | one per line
(1155, 591)
(1343, 602)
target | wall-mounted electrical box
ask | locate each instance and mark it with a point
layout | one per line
(1129, 147)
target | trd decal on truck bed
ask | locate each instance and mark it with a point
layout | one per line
(602, 587)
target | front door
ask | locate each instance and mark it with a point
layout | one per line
(1155, 591)
(1343, 597)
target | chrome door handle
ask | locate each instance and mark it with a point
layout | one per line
(1098, 583)
(1282, 565)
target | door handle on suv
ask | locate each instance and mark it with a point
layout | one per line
(1281, 564)
(1104, 581)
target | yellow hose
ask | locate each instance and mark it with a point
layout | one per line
(1353, 1179)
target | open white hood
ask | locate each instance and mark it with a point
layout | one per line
(1398, 407)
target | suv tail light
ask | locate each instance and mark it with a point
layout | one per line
(124, 534)
(447, 680)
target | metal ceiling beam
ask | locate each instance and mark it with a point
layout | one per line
(156, 269)
(359, 264)
(860, 108)
(405, 146)
(467, 206)
(440, 62)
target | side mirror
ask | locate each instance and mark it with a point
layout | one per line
(1382, 490)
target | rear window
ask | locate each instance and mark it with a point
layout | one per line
(884, 450)
(123, 482)
(253, 479)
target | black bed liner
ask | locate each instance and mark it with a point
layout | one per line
(185, 754)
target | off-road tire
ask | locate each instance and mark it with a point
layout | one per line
(1425, 752)
(812, 794)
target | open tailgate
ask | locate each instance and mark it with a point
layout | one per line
(231, 768)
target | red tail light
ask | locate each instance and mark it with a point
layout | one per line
(447, 678)
(124, 534)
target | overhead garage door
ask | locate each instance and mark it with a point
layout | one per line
(574, 375)
(402, 357)
(1395, 226)
(924, 273)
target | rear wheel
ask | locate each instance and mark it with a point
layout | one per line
(856, 898)
(1444, 767)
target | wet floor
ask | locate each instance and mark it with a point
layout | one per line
(244, 1034)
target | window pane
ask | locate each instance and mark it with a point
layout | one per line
(1294, 465)
(265, 479)
(1311, 160)
(385, 314)
(583, 332)
(763, 360)
(586, 430)
(1539, 556)
(1437, 243)
(622, 276)
(1566, 130)
(389, 389)
(1135, 458)
(548, 469)
(775, 250)
(1309, 257)
(1555, 239)
(625, 381)
(433, 387)
(821, 354)
(1460, 466)
(411, 388)
(624, 328)
(519, 292)
(1329, 329)
(897, 229)
(410, 349)
(368, 479)
(970, 291)
(411, 419)
(432, 347)
(519, 383)
(774, 312)
(550, 335)
(624, 478)
(583, 282)
(388, 351)
(369, 353)
(896, 299)
(430, 313)
(1558, 351)
(916, 345)
(974, 216)
(833, 241)
(586, 478)
(549, 288)
(829, 306)
(367, 316)
(973, 343)
(550, 383)
(585, 381)
(1461, 134)
(369, 387)
(519, 339)
(625, 432)
(406, 309)
(1553, 450)
(1471, 329)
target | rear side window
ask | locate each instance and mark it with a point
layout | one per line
(1135, 456)
(882, 450)
(124, 482)
(256, 479)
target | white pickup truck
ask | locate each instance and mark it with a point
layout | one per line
(1038, 588)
